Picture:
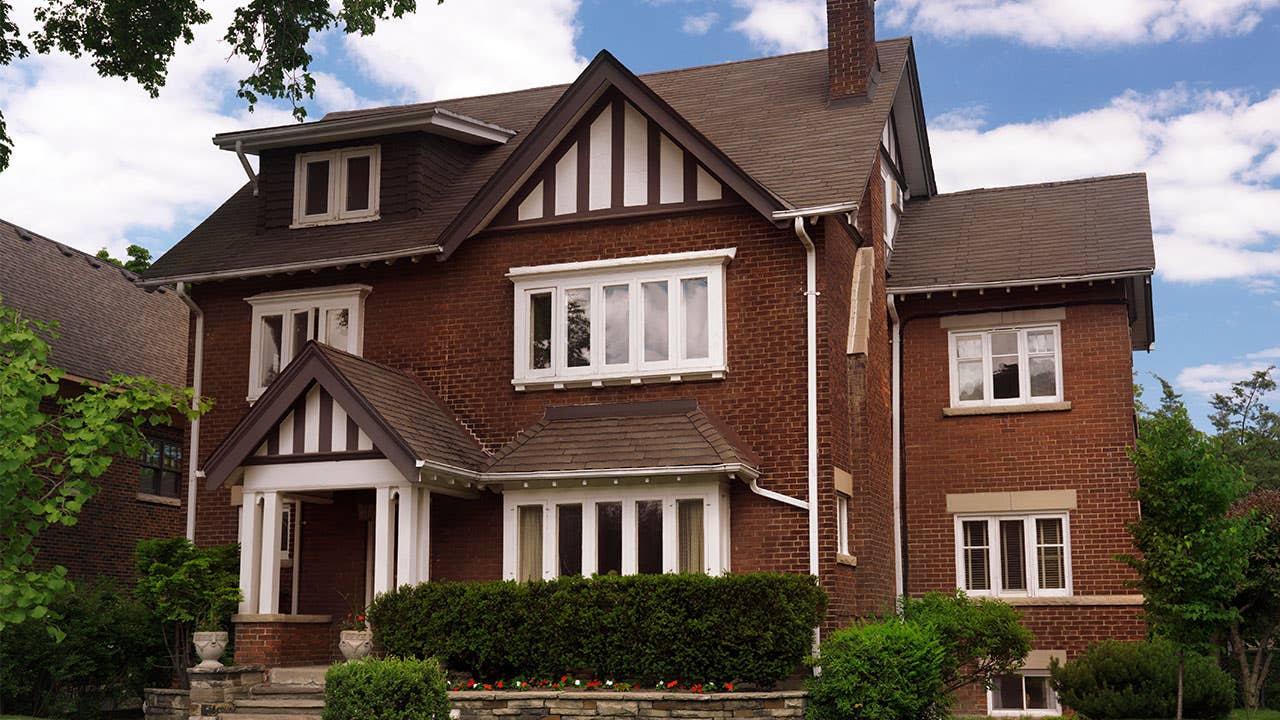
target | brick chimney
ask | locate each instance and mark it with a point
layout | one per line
(852, 63)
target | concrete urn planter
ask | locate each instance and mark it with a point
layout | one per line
(210, 646)
(355, 644)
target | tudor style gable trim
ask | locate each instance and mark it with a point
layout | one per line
(603, 73)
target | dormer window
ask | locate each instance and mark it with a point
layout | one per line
(336, 186)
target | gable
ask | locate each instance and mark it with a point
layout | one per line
(315, 424)
(616, 160)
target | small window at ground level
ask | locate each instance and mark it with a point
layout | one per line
(1023, 694)
(160, 471)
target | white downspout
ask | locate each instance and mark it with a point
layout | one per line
(811, 346)
(896, 370)
(193, 478)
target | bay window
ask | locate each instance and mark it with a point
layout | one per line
(283, 322)
(1013, 555)
(336, 186)
(1006, 366)
(627, 320)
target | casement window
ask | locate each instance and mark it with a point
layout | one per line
(1006, 366)
(893, 200)
(336, 186)
(842, 524)
(620, 531)
(1013, 555)
(160, 468)
(634, 319)
(1026, 693)
(283, 322)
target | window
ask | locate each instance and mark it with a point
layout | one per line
(336, 186)
(283, 323)
(1006, 366)
(160, 468)
(658, 317)
(892, 205)
(1013, 555)
(620, 531)
(1027, 693)
(842, 524)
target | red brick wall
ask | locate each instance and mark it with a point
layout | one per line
(851, 46)
(277, 644)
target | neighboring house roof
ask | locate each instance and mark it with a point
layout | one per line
(1018, 235)
(407, 424)
(770, 117)
(623, 436)
(106, 323)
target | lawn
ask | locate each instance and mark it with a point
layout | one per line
(1256, 715)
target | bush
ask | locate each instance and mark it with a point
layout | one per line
(643, 628)
(1113, 679)
(983, 639)
(385, 689)
(112, 650)
(888, 670)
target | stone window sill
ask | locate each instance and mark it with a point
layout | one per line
(845, 559)
(1006, 409)
(159, 500)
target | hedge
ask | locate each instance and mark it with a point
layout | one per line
(754, 628)
(385, 689)
(879, 671)
(1113, 679)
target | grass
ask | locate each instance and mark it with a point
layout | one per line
(1255, 715)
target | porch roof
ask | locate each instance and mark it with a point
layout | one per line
(666, 434)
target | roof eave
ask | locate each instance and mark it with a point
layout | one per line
(288, 268)
(1025, 282)
(437, 121)
(722, 469)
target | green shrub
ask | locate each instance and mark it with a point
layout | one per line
(112, 649)
(385, 689)
(889, 670)
(983, 639)
(692, 628)
(1113, 679)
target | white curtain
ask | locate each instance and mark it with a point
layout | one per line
(691, 536)
(530, 532)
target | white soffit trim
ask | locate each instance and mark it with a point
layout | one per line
(287, 268)
(745, 471)
(831, 209)
(724, 256)
(1031, 282)
(437, 121)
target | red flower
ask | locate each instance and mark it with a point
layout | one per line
(564, 678)
(673, 683)
(499, 684)
(728, 686)
(360, 617)
(487, 686)
(471, 683)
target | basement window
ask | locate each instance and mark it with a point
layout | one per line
(283, 322)
(1023, 694)
(336, 186)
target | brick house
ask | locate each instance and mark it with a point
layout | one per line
(706, 320)
(106, 325)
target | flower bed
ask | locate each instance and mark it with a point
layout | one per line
(639, 703)
(565, 682)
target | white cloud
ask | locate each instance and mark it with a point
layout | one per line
(1213, 195)
(784, 25)
(699, 24)
(1213, 378)
(1268, 354)
(1056, 23)
(472, 47)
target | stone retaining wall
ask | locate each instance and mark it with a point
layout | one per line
(544, 705)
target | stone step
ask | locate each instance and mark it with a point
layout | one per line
(288, 690)
(310, 715)
(304, 675)
(281, 705)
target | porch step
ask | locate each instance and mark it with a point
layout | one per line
(310, 675)
(309, 715)
(286, 690)
(280, 704)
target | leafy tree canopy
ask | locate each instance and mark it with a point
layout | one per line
(136, 40)
(1250, 429)
(139, 258)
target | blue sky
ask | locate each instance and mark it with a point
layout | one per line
(1015, 91)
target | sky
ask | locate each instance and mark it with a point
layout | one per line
(1015, 91)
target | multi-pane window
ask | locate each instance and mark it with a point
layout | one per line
(284, 322)
(1023, 694)
(621, 532)
(652, 319)
(160, 468)
(336, 186)
(1008, 366)
(1013, 555)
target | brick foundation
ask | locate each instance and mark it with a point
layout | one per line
(284, 641)
(712, 706)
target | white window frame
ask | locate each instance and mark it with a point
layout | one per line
(715, 524)
(893, 199)
(337, 186)
(842, 524)
(1024, 366)
(1055, 704)
(290, 302)
(633, 272)
(1030, 559)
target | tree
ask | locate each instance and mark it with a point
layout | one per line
(1249, 429)
(1254, 632)
(139, 258)
(983, 639)
(136, 39)
(53, 447)
(1193, 552)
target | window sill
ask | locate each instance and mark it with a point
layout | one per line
(563, 383)
(299, 224)
(1006, 409)
(159, 500)
(845, 559)
(1074, 600)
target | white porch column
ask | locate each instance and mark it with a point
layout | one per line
(249, 552)
(423, 544)
(382, 542)
(269, 579)
(407, 530)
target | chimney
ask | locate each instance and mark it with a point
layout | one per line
(853, 66)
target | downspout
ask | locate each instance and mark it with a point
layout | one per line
(811, 346)
(193, 479)
(895, 323)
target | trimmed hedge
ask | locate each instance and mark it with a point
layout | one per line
(753, 628)
(385, 689)
(1115, 679)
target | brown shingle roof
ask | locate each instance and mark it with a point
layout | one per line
(1030, 232)
(665, 433)
(770, 116)
(106, 323)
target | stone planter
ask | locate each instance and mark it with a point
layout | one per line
(210, 646)
(355, 644)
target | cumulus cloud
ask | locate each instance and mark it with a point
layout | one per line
(1268, 354)
(1213, 378)
(1213, 192)
(699, 24)
(784, 25)
(1058, 24)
